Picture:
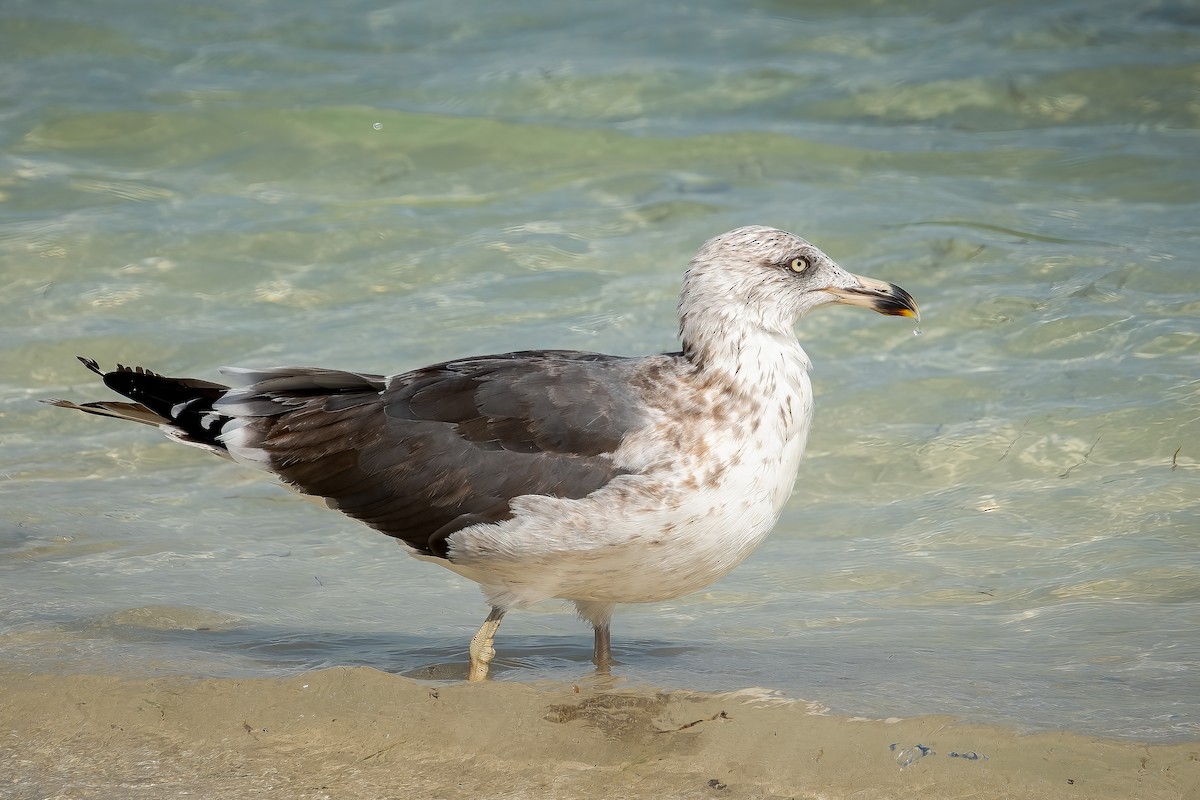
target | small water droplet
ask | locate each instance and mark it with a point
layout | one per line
(377, 125)
(917, 331)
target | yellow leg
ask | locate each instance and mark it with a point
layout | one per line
(482, 651)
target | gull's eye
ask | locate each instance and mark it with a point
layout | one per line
(799, 264)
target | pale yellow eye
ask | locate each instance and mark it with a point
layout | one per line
(799, 264)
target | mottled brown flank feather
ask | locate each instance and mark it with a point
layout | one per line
(424, 454)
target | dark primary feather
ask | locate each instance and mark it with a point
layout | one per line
(182, 404)
(185, 402)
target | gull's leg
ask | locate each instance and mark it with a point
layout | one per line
(599, 614)
(482, 651)
(602, 654)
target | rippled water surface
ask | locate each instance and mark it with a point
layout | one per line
(998, 519)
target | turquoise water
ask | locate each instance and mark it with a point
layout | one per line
(998, 519)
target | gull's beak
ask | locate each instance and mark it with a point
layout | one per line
(886, 298)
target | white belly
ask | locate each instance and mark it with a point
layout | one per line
(676, 527)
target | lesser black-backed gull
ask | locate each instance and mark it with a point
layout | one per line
(551, 473)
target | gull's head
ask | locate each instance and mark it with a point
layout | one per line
(770, 278)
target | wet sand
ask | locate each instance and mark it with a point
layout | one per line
(361, 733)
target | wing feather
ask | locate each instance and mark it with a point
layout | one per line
(421, 455)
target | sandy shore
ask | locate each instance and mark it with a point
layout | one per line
(360, 733)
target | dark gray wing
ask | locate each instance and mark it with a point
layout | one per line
(421, 455)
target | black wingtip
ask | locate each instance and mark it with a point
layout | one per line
(91, 364)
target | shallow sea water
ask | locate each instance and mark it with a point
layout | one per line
(999, 519)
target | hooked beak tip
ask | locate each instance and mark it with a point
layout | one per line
(880, 296)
